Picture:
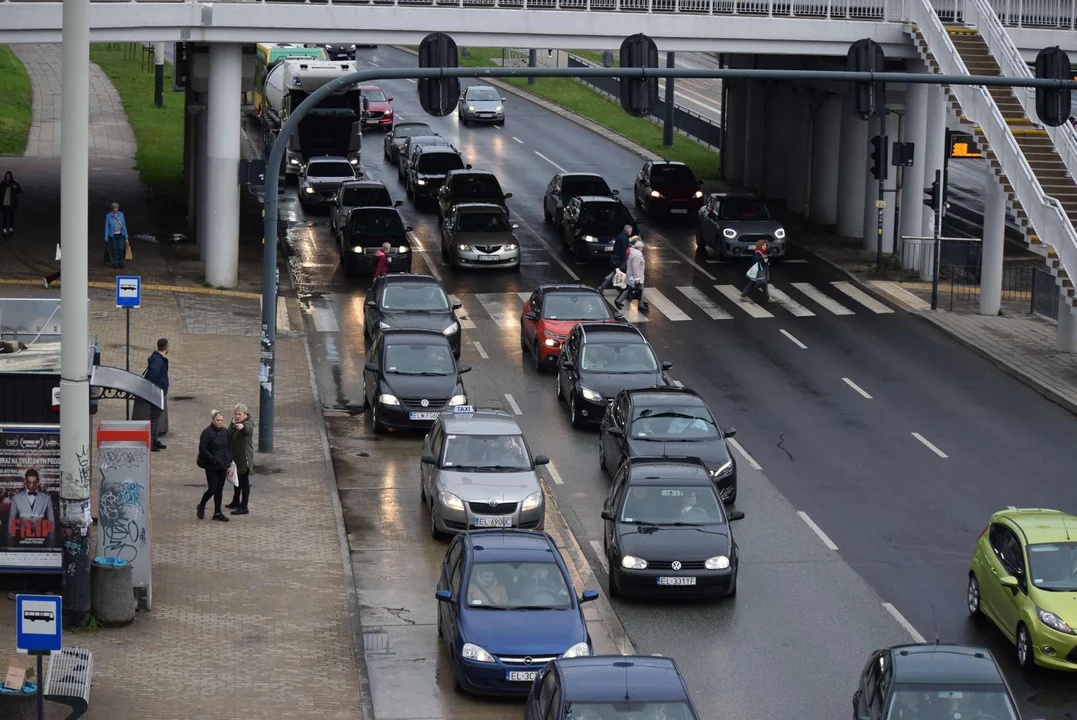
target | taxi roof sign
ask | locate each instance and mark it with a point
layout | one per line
(463, 410)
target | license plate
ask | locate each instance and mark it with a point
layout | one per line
(521, 675)
(423, 416)
(679, 211)
(489, 258)
(608, 248)
(676, 581)
(494, 522)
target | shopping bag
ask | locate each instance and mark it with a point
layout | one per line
(233, 475)
(620, 279)
(57, 252)
(753, 272)
(127, 251)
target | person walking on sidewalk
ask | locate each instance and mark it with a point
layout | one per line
(116, 236)
(215, 455)
(618, 257)
(635, 270)
(759, 272)
(9, 201)
(241, 442)
(157, 373)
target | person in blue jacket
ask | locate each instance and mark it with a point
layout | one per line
(116, 236)
(157, 373)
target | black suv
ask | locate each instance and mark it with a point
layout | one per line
(395, 138)
(427, 169)
(363, 233)
(408, 150)
(470, 186)
(590, 224)
(565, 186)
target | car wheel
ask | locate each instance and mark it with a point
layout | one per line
(560, 392)
(444, 250)
(1025, 656)
(733, 589)
(441, 633)
(601, 454)
(523, 342)
(539, 367)
(501, 123)
(350, 269)
(615, 587)
(546, 214)
(732, 498)
(973, 595)
(516, 268)
(422, 491)
(434, 532)
(378, 427)
(408, 190)
(635, 197)
(572, 414)
(559, 219)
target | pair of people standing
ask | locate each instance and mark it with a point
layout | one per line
(218, 448)
(9, 201)
(627, 257)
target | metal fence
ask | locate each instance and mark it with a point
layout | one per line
(1044, 294)
(960, 266)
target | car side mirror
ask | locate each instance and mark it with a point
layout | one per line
(457, 305)
(607, 515)
(532, 316)
(366, 104)
(667, 366)
(568, 365)
(371, 367)
(1008, 581)
(463, 369)
(408, 228)
(389, 100)
(729, 431)
(542, 460)
(515, 226)
(504, 100)
(371, 304)
(398, 203)
(589, 596)
(429, 459)
(735, 515)
(615, 432)
(443, 595)
(467, 167)
(618, 316)
(508, 195)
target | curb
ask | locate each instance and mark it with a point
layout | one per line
(150, 286)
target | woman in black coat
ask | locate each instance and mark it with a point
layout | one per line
(9, 201)
(215, 455)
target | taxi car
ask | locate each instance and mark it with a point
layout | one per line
(550, 314)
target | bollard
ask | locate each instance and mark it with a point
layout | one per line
(112, 591)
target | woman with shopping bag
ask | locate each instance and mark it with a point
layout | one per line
(759, 273)
(634, 281)
(241, 440)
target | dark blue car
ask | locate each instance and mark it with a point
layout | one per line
(610, 687)
(507, 608)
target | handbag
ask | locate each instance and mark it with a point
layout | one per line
(620, 279)
(57, 252)
(233, 475)
(753, 272)
(200, 462)
(127, 250)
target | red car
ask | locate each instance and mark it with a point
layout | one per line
(550, 314)
(378, 110)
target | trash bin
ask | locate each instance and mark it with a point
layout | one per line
(18, 706)
(112, 594)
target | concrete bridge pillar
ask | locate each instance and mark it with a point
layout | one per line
(779, 106)
(826, 159)
(201, 178)
(935, 138)
(754, 133)
(1066, 339)
(913, 180)
(994, 240)
(733, 142)
(221, 248)
(852, 166)
(798, 152)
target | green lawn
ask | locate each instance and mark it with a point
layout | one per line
(158, 130)
(15, 109)
(582, 100)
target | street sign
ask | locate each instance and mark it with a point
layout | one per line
(38, 623)
(880, 204)
(128, 291)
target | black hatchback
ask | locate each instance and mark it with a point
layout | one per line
(414, 302)
(668, 188)
(597, 361)
(591, 222)
(363, 234)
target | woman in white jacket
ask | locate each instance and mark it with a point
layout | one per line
(635, 271)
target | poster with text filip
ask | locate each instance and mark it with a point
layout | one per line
(30, 498)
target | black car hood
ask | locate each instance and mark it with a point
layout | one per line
(371, 240)
(675, 191)
(713, 452)
(431, 177)
(609, 384)
(667, 543)
(442, 387)
(438, 320)
(603, 233)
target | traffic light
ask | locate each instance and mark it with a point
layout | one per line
(902, 154)
(932, 199)
(879, 169)
(639, 97)
(438, 96)
(1053, 104)
(868, 56)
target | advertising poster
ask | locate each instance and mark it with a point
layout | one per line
(30, 498)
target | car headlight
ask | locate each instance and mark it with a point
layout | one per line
(462, 247)
(308, 190)
(726, 467)
(459, 399)
(471, 108)
(729, 233)
(633, 563)
(590, 238)
(351, 47)
(1054, 621)
(580, 649)
(476, 653)
(499, 109)
(387, 399)
(382, 325)
(420, 181)
(451, 501)
(699, 194)
(779, 233)
(293, 161)
(550, 342)
(590, 394)
(354, 161)
(510, 246)
(357, 249)
(451, 330)
(655, 193)
(532, 501)
(718, 562)
(403, 250)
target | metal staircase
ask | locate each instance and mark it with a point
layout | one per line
(1034, 166)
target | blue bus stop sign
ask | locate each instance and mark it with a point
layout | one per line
(38, 623)
(128, 291)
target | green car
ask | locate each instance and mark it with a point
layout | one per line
(1024, 577)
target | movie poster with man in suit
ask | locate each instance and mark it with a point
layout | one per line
(29, 494)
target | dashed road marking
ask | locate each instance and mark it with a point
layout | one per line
(554, 474)
(861, 297)
(704, 303)
(517, 139)
(630, 311)
(926, 442)
(856, 387)
(903, 622)
(512, 404)
(550, 161)
(597, 547)
(664, 305)
(744, 303)
(480, 350)
(677, 383)
(744, 453)
(796, 342)
(817, 530)
(818, 296)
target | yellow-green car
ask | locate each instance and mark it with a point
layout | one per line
(1024, 577)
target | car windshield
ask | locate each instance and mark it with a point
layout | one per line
(428, 140)
(376, 222)
(330, 170)
(576, 186)
(419, 359)
(1053, 566)
(482, 93)
(575, 306)
(493, 453)
(614, 357)
(630, 711)
(672, 505)
(439, 163)
(365, 196)
(414, 297)
(476, 186)
(937, 701)
(374, 95)
(487, 221)
(673, 423)
(605, 215)
(744, 210)
(678, 175)
(400, 132)
(522, 585)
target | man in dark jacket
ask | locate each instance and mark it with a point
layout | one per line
(157, 373)
(618, 257)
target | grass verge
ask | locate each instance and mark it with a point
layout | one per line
(15, 109)
(584, 101)
(158, 130)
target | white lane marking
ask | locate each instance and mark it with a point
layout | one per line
(538, 263)
(371, 64)
(687, 259)
(903, 622)
(861, 297)
(789, 303)
(556, 256)
(462, 315)
(744, 453)
(480, 350)
(931, 447)
(525, 296)
(903, 296)
(677, 383)
(512, 404)
(817, 530)
(744, 303)
(283, 323)
(796, 342)
(597, 547)
(413, 82)
(497, 310)
(856, 387)
(704, 303)
(432, 265)
(818, 296)
(517, 139)
(664, 305)
(630, 311)
(550, 161)
(554, 474)
(324, 319)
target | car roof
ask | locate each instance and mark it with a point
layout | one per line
(511, 545)
(484, 421)
(598, 331)
(615, 678)
(945, 664)
(446, 148)
(419, 139)
(473, 171)
(362, 184)
(413, 335)
(588, 199)
(480, 207)
(1043, 525)
(399, 278)
(738, 196)
(663, 395)
(678, 470)
(479, 85)
(548, 289)
(411, 123)
(668, 162)
(327, 159)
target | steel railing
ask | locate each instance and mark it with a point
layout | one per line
(1045, 291)
(960, 270)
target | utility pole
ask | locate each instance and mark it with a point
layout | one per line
(159, 74)
(667, 122)
(74, 314)
(532, 61)
(936, 251)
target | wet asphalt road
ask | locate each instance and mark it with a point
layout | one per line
(830, 406)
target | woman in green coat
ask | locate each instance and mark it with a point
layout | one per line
(241, 440)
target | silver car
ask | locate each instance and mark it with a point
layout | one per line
(730, 224)
(321, 178)
(481, 104)
(477, 472)
(479, 235)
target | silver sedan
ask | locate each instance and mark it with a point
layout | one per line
(480, 235)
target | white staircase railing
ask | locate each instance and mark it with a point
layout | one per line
(1046, 214)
